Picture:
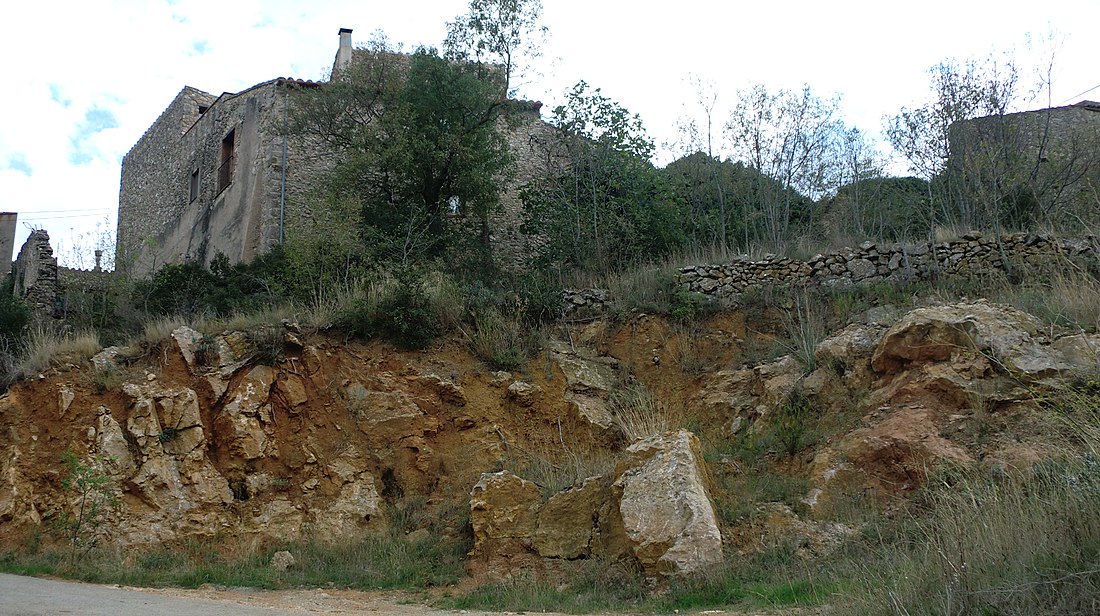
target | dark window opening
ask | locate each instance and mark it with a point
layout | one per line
(194, 184)
(203, 108)
(240, 490)
(454, 206)
(225, 162)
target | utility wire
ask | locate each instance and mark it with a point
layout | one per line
(58, 217)
(95, 209)
(1082, 93)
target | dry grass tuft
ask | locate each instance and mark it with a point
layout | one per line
(45, 347)
(638, 414)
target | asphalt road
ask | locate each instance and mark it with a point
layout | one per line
(28, 596)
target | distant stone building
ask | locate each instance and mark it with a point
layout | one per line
(1045, 163)
(219, 174)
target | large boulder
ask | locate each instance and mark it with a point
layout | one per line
(896, 453)
(589, 381)
(667, 516)
(1008, 337)
(567, 523)
(503, 513)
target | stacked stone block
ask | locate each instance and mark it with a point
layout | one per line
(35, 272)
(872, 262)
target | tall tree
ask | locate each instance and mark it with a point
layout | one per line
(418, 146)
(497, 33)
(608, 207)
(789, 137)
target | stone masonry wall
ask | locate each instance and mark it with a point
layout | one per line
(159, 222)
(530, 142)
(155, 172)
(35, 271)
(871, 262)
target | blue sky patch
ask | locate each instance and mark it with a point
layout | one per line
(200, 47)
(18, 162)
(57, 96)
(96, 119)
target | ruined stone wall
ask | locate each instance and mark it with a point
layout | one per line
(871, 262)
(71, 280)
(35, 270)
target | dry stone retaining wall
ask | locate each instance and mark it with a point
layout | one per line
(872, 262)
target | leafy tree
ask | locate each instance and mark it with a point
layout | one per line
(609, 206)
(885, 208)
(497, 33)
(721, 198)
(791, 138)
(418, 146)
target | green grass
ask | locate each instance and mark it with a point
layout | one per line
(384, 562)
(772, 579)
(579, 587)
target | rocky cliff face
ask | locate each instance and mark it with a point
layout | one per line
(202, 439)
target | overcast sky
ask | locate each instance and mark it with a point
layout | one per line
(85, 78)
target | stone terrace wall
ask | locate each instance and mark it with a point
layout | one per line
(871, 262)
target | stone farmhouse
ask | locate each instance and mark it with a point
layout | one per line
(1042, 131)
(219, 174)
(1054, 152)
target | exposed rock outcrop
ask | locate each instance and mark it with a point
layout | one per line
(654, 509)
(666, 512)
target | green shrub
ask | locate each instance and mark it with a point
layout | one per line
(398, 308)
(14, 314)
(405, 318)
(503, 342)
(93, 494)
(190, 289)
(792, 428)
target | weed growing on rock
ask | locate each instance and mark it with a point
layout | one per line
(94, 494)
(638, 414)
(107, 378)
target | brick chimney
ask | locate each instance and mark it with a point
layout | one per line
(343, 53)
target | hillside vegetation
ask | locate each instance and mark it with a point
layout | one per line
(396, 408)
